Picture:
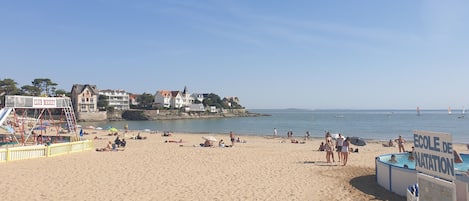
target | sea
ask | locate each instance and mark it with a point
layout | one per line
(366, 124)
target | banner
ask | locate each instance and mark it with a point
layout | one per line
(434, 154)
(44, 102)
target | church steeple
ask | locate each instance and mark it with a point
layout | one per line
(185, 91)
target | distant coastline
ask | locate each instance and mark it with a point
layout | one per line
(151, 115)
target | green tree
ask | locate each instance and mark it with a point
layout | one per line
(46, 86)
(213, 100)
(8, 86)
(29, 90)
(145, 101)
(63, 92)
(102, 103)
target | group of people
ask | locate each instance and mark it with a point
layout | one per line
(221, 143)
(341, 146)
(40, 139)
(290, 134)
(120, 142)
(118, 145)
(110, 147)
(411, 154)
(400, 143)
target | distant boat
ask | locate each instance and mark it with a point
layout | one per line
(418, 111)
(339, 116)
(449, 110)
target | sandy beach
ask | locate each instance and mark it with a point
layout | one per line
(263, 168)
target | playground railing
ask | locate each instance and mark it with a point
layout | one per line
(38, 151)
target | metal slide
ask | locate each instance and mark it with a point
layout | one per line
(4, 112)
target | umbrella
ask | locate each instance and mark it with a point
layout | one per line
(9, 129)
(357, 141)
(40, 128)
(113, 130)
(210, 138)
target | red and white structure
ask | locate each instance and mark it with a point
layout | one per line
(29, 116)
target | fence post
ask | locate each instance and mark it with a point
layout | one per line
(47, 151)
(8, 155)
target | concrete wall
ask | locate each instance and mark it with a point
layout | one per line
(92, 116)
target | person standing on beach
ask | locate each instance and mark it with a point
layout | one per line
(329, 150)
(339, 143)
(345, 150)
(232, 137)
(275, 131)
(329, 139)
(400, 143)
(307, 135)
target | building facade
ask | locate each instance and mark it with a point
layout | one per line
(117, 99)
(84, 98)
(173, 99)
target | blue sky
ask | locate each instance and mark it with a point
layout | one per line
(271, 54)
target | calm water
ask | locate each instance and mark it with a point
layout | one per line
(368, 124)
(403, 159)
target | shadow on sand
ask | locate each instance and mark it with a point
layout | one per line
(320, 163)
(368, 184)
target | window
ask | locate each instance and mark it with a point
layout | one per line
(83, 108)
(91, 100)
(82, 100)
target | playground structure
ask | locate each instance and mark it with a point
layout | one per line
(31, 120)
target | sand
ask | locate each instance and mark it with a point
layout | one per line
(261, 169)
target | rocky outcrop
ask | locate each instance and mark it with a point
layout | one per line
(176, 114)
(144, 115)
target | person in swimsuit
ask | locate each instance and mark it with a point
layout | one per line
(400, 143)
(232, 137)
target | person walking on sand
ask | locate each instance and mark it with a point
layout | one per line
(329, 139)
(400, 143)
(345, 150)
(232, 137)
(329, 150)
(339, 143)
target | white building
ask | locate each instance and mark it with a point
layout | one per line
(173, 99)
(118, 99)
(163, 98)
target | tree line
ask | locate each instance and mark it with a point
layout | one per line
(38, 87)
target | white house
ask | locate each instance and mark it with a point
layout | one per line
(177, 100)
(118, 99)
(163, 98)
(174, 99)
(199, 97)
